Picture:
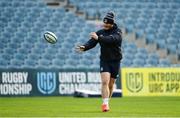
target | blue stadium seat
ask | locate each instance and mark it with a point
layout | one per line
(20, 57)
(41, 45)
(140, 33)
(6, 56)
(23, 51)
(21, 35)
(82, 66)
(34, 57)
(142, 50)
(44, 63)
(2, 46)
(71, 62)
(30, 63)
(138, 62)
(16, 63)
(96, 61)
(50, 50)
(152, 62)
(153, 59)
(91, 13)
(162, 30)
(128, 56)
(150, 38)
(153, 26)
(172, 48)
(126, 62)
(48, 56)
(58, 63)
(3, 63)
(88, 56)
(161, 35)
(13, 45)
(85, 61)
(9, 51)
(130, 51)
(141, 55)
(161, 43)
(164, 63)
(64, 50)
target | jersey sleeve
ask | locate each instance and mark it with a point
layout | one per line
(90, 44)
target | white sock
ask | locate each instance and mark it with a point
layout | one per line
(106, 101)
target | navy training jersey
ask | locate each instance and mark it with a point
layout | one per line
(110, 42)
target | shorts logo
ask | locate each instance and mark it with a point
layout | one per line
(101, 69)
(117, 75)
(101, 35)
(134, 84)
(46, 82)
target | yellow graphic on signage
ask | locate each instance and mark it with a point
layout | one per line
(150, 81)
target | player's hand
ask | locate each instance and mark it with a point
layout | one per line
(93, 35)
(80, 48)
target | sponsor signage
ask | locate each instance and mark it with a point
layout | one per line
(15, 83)
(151, 81)
(42, 82)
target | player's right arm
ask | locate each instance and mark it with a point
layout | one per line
(87, 46)
(90, 44)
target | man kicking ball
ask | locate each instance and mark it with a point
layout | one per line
(110, 40)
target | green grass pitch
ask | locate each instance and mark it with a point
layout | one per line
(89, 107)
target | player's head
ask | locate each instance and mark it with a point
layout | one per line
(108, 20)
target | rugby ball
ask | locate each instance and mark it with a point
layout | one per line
(50, 37)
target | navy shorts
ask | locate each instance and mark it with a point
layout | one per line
(110, 66)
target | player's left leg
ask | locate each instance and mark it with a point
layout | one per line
(105, 77)
(111, 86)
(114, 75)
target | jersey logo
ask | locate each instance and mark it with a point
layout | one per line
(101, 69)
